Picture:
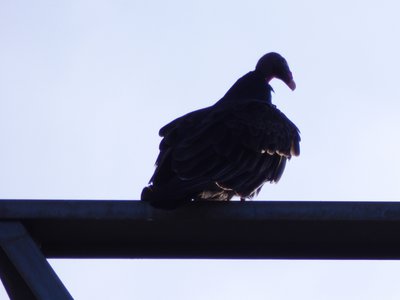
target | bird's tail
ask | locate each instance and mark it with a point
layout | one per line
(161, 198)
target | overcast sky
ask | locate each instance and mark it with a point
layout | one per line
(85, 86)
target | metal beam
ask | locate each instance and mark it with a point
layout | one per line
(24, 270)
(237, 230)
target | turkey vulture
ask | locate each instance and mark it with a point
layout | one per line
(230, 148)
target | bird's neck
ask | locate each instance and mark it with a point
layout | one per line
(251, 86)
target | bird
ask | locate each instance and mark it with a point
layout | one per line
(229, 149)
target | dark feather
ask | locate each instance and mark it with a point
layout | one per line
(230, 148)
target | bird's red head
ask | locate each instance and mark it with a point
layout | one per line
(273, 65)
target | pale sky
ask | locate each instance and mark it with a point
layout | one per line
(85, 86)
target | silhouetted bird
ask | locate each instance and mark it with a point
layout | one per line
(229, 149)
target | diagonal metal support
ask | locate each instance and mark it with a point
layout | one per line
(24, 270)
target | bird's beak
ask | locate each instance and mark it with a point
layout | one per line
(291, 84)
(288, 79)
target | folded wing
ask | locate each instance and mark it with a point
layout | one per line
(225, 151)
